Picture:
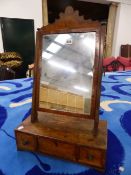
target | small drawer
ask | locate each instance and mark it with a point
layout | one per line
(57, 148)
(26, 141)
(91, 157)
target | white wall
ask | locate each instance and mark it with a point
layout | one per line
(121, 1)
(25, 9)
(32, 9)
(122, 32)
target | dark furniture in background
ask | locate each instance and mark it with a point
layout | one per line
(125, 51)
(125, 56)
(125, 62)
(18, 36)
(30, 71)
(6, 73)
(111, 64)
(13, 61)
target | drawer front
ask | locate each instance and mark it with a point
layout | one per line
(26, 141)
(57, 148)
(92, 157)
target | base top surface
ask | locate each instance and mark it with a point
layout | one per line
(68, 129)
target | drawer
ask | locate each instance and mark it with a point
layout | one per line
(26, 141)
(92, 157)
(57, 148)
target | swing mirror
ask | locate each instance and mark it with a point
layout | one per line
(67, 72)
(68, 67)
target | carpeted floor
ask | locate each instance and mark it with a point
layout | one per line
(15, 105)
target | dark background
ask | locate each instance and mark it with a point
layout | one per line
(89, 10)
(18, 36)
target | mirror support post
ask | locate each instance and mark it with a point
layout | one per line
(96, 123)
(95, 130)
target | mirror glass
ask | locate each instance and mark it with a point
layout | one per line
(67, 72)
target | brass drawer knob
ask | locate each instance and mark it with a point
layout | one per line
(26, 142)
(90, 157)
(56, 144)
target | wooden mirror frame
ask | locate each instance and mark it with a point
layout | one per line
(57, 133)
(70, 22)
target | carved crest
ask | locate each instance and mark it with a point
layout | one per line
(70, 14)
(71, 19)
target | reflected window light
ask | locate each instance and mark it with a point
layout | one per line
(89, 42)
(44, 82)
(61, 66)
(53, 48)
(46, 55)
(90, 74)
(82, 35)
(81, 88)
(62, 38)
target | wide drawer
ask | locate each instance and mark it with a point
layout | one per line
(92, 157)
(57, 148)
(26, 141)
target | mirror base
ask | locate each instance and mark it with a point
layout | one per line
(66, 137)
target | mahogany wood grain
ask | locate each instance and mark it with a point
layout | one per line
(66, 137)
(70, 135)
(69, 22)
(56, 148)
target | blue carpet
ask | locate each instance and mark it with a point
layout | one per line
(15, 106)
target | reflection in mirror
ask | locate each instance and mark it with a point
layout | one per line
(67, 72)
